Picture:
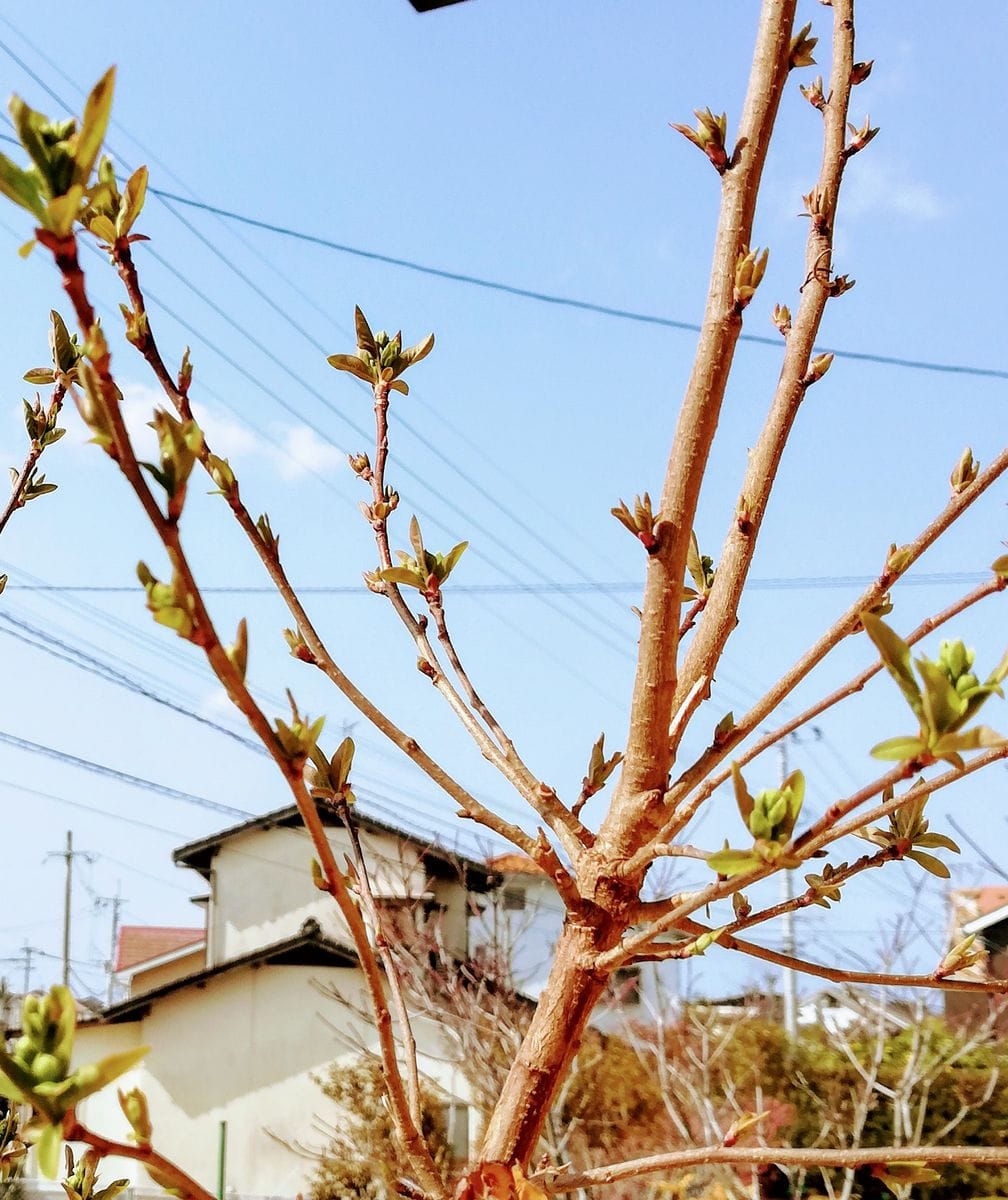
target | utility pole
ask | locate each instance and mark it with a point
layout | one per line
(790, 980)
(28, 952)
(115, 903)
(68, 855)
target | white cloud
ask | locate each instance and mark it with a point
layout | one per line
(304, 451)
(292, 450)
(876, 186)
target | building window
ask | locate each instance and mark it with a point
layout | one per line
(513, 899)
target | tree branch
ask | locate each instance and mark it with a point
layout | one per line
(720, 615)
(819, 1156)
(169, 1175)
(649, 753)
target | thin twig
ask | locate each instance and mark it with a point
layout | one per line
(382, 944)
(469, 807)
(784, 1156)
(500, 752)
(23, 477)
(204, 635)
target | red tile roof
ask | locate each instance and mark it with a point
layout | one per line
(141, 943)
(514, 864)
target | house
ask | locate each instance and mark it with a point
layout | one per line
(243, 1013)
(981, 912)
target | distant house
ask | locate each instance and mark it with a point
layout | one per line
(242, 1014)
(982, 912)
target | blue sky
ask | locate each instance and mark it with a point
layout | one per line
(527, 143)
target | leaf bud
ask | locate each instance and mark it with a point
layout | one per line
(782, 319)
(965, 472)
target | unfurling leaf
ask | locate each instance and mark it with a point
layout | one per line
(709, 136)
(733, 862)
(898, 1175)
(642, 522)
(800, 50)
(961, 956)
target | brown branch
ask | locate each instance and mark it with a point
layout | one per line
(820, 834)
(649, 754)
(168, 1174)
(843, 627)
(537, 849)
(834, 974)
(501, 753)
(818, 1156)
(204, 636)
(720, 615)
(996, 583)
(35, 452)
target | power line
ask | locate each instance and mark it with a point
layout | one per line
(53, 646)
(605, 310)
(612, 588)
(159, 789)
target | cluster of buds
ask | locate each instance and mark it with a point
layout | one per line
(47, 1036)
(380, 359)
(841, 284)
(422, 570)
(770, 818)
(813, 93)
(963, 955)
(965, 472)
(298, 736)
(33, 486)
(750, 267)
(826, 887)
(947, 697)
(137, 325)
(65, 352)
(268, 538)
(360, 464)
(800, 50)
(179, 445)
(55, 188)
(709, 136)
(12, 1148)
(298, 647)
(642, 522)
(329, 778)
(171, 604)
(379, 511)
(860, 137)
(817, 208)
(81, 1182)
(37, 1073)
(908, 836)
(110, 215)
(781, 317)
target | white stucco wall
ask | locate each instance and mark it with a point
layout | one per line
(262, 889)
(244, 1049)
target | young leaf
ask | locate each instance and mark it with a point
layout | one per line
(895, 654)
(97, 109)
